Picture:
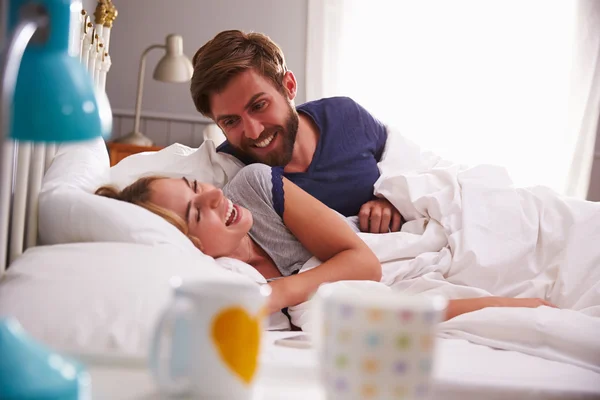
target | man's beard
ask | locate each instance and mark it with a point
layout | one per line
(288, 134)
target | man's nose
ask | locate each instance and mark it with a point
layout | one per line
(253, 128)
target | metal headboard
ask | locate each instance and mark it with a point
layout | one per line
(26, 163)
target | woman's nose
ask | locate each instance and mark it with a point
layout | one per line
(211, 198)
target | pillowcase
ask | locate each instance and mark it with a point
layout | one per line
(99, 298)
(69, 211)
(175, 161)
(80, 165)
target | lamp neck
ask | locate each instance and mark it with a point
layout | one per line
(10, 62)
(174, 45)
(140, 85)
(9, 67)
(56, 36)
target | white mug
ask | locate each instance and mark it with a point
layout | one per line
(376, 344)
(207, 341)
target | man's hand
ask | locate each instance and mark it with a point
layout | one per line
(379, 216)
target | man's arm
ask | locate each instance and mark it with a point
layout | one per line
(378, 215)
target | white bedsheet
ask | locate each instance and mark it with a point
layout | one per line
(464, 371)
(471, 234)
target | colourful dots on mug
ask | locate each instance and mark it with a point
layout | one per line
(403, 342)
(421, 391)
(400, 367)
(374, 315)
(341, 385)
(429, 317)
(369, 391)
(326, 375)
(425, 365)
(344, 336)
(399, 392)
(406, 316)
(426, 342)
(372, 340)
(341, 361)
(346, 311)
(370, 366)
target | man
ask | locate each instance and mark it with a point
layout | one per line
(330, 147)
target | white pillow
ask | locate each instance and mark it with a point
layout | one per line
(80, 165)
(177, 160)
(98, 297)
(70, 212)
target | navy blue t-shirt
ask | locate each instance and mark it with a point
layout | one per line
(344, 166)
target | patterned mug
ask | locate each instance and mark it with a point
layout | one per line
(207, 340)
(374, 344)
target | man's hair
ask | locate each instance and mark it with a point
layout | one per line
(228, 54)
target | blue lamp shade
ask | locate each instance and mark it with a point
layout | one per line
(55, 99)
(30, 370)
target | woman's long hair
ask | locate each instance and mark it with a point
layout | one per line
(139, 193)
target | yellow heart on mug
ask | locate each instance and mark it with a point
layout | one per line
(237, 337)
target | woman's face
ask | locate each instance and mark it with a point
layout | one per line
(219, 224)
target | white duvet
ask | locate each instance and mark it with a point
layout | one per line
(471, 234)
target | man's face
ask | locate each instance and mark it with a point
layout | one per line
(257, 119)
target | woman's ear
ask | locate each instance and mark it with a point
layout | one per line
(196, 242)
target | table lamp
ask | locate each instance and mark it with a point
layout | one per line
(174, 67)
(50, 94)
(46, 94)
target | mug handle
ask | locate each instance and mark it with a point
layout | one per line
(180, 308)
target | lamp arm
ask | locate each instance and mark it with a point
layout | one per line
(9, 72)
(9, 69)
(140, 86)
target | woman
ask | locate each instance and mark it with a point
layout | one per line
(268, 222)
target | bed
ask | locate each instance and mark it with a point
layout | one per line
(89, 278)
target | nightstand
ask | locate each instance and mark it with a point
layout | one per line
(118, 151)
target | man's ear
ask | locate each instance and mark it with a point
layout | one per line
(290, 85)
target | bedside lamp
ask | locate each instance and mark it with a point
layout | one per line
(173, 67)
(46, 95)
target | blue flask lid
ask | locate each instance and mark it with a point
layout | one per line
(30, 370)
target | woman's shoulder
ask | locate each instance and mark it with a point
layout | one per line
(254, 180)
(253, 174)
(257, 170)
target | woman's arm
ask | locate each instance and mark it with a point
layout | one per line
(462, 306)
(329, 238)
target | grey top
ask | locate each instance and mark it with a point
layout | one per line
(252, 188)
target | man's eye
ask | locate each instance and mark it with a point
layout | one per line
(229, 122)
(198, 215)
(258, 106)
(195, 186)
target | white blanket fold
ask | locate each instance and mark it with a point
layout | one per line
(472, 234)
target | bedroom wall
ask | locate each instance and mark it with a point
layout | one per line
(167, 109)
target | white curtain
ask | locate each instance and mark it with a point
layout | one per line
(509, 82)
